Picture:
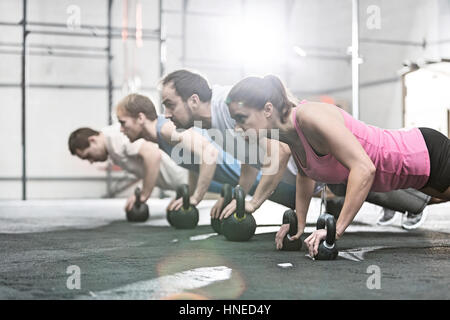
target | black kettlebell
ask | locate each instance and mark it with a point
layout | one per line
(139, 212)
(334, 206)
(239, 226)
(227, 194)
(290, 217)
(327, 248)
(187, 216)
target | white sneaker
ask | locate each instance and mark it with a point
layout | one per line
(412, 221)
(387, 217)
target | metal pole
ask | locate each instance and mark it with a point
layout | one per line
(110, 88)
(162, 61)
(24, 163)
(289, 5)
(243, 17)
(355, 59)
(162, 44)
(183, 41)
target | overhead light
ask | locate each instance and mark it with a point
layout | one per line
(257, 39)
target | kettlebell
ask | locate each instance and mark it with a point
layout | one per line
(327, 248)
(290, 217)
(227, 195)
(139, 212)
(239, 226)
(334, 206)
(187, 216)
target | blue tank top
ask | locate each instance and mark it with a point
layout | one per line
(228, 168)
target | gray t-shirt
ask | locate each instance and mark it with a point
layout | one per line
(223, 133)
(125, 154)
(220, 115)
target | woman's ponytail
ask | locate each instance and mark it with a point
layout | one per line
(279, 96)
(255, 92)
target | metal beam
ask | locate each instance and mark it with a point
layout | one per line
(68, 86)
(110, 87)
(183, 38)
(162, 42)
(355, 59)
(55, 54)
(64, 178)
(53, 46)
(23, 92)
(90, 35)
(86, 27)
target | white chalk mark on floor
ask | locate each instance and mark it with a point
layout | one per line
(357, 254)
(285, 265)
(164, 286)
(203, 236)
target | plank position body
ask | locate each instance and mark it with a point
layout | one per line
(329, 145)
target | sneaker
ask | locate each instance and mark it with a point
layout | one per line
(387, 217)
(413, 221)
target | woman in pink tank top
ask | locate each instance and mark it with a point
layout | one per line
(329, 145)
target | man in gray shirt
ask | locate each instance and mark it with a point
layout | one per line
(141, 158)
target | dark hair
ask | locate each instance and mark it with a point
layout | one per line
(135, 103)
(79, 139)
(187, 83)
(255, 92)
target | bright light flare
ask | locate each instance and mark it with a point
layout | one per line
(257, 39)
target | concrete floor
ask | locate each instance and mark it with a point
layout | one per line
(118, 260)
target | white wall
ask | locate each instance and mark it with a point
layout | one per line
(212, 48)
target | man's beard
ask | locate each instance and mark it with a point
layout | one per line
(190, 120)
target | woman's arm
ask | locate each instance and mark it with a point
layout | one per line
(325, 124)
(304, 188)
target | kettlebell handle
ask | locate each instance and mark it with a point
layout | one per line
(183, 191)
(289, 217)
(227, 194)
(239, 195)
(137, 194)
(330, 221)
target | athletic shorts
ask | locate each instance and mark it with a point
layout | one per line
(439, 150)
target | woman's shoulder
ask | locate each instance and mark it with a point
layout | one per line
(311, 114)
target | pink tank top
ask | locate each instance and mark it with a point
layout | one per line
(400, 156)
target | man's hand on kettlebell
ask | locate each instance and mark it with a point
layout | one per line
(215, 210)
(284, 229)
(231, 208)
(130, 202)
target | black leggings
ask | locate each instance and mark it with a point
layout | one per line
(439, 150)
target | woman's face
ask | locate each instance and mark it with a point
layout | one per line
(249, 118)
